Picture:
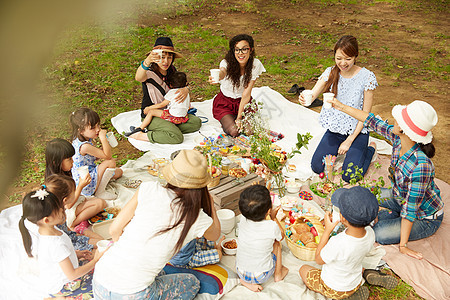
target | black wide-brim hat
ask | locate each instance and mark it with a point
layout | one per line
(165, 43)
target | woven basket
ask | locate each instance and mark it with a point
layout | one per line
(303, 252)
(214, 182)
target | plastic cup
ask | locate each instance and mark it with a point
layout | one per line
(327, 98)
(308, 97)
(103, 245)
(215, 75)
(112, 139)
(159, 52)
(83, 171)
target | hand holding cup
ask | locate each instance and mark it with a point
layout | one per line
(306, 97)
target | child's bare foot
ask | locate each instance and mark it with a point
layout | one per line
(284, 272)
(251, 286)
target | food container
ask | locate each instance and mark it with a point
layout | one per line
(229, 251)
(216, 172)
(288, 202)
(293, 187)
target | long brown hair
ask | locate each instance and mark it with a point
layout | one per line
(349, 45)
(233, 67)
(188, 209)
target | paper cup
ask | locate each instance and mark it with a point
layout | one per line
(308, 97)
(111, 139)
(215, 75)
(159, 52)
(83, 171)
(327, 97)
(103, 245)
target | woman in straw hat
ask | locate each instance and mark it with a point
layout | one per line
(415, 206)
(152, 227)
(153, 73)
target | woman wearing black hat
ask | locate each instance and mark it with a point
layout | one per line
(153, 73)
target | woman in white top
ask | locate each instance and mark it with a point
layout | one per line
(353, 86)
(152, 227)
(238, 73)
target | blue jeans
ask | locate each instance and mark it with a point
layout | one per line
(358, 154)
(172, 286)
(387, 229)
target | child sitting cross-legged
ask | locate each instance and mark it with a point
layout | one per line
(258, 254)
(342, 255)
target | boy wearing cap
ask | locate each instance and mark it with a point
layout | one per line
(342, 255)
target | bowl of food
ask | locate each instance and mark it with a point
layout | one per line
(293, 187)
(229, 246)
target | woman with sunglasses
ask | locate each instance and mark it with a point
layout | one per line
(238, 73)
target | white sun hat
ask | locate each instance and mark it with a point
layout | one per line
(416, 120)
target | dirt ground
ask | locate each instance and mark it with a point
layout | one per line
(382, 29)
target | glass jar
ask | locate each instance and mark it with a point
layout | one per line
(225, 165)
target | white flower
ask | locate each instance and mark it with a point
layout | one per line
(40, 194)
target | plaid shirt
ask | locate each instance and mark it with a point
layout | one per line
(412, 175)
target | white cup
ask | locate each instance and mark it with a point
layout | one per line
(215, 75)
(83, 171)
(335, 215)
(159, 52)
(245, 164)
(111, 139)
(103, 245)
(327, 98)
(227, 220)
(308, 97)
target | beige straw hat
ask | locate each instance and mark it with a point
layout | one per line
(188, 170)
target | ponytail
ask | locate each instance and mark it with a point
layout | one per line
(26, 237)
(428, 149)
(332, 83)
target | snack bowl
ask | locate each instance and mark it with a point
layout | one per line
(226, 242)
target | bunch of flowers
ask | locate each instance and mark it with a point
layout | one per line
(271, 156)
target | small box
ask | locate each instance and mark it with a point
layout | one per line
(226, 194)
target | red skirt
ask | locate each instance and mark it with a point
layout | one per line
(223, 105)
(175, 120)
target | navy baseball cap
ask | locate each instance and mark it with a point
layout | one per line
(357, 204)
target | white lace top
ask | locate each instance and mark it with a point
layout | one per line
(350, 92)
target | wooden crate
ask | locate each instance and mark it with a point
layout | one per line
(226, 194)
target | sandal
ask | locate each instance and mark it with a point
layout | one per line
(376, 277)
(135, 130)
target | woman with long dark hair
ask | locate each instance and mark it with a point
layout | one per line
(153, 73)
(238, 73)
(352, 85)
(152, 227)
(414, 206)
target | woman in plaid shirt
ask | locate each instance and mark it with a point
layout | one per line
(415, 208)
